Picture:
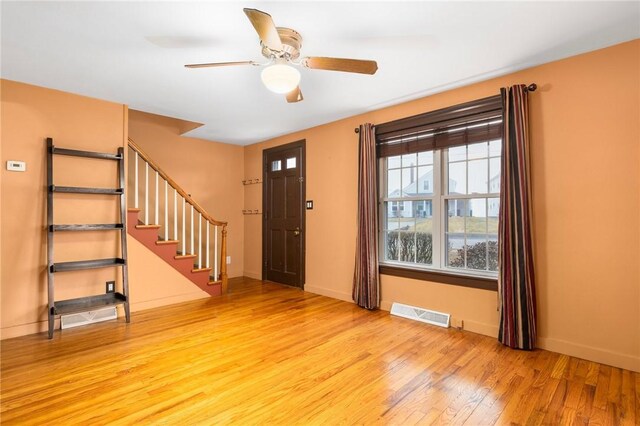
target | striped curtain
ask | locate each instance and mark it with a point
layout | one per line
(516, 283)
(366, 281)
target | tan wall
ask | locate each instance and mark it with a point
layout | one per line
(211, 172)
(585, 154)
(29, 115)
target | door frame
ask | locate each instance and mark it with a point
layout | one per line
(302, 144)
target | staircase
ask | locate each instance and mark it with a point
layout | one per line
(170, 223)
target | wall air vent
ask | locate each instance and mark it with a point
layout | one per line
(420, 314)
(89, 317)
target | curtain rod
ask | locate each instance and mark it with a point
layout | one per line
(530, 88)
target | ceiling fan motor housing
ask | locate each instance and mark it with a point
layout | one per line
(291, 43)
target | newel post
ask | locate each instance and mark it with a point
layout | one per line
(223, 260)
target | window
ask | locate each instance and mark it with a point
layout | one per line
(440, 195)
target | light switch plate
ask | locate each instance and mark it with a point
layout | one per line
(16, 166)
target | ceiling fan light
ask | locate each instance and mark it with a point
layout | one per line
(280, 78)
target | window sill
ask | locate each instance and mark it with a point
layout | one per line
(483, 283)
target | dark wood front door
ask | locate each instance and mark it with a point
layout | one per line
(283, 209)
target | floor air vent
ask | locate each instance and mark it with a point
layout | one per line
(89, 317)
(419, 314)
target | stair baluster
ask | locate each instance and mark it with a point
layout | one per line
(207, 246)
(166, 211)
(146, 193)
(156, 221)
(135, 203)
(215, 252)
(175, 214)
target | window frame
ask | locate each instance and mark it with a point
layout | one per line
(456, 125)
(437, 271)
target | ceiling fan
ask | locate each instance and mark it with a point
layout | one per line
(281, 46)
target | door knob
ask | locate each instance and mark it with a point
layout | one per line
(296, 231)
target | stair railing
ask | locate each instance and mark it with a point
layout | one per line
(216, 251)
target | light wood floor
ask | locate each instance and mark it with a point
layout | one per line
(268, 354)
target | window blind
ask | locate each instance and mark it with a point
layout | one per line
(471, 122)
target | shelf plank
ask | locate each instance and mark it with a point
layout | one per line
(87, 154)
(84, 304)
(86, 264)
(83, 190)
(88, 227)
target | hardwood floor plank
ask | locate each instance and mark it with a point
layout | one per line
(270, 354)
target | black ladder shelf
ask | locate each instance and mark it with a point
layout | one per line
(88, 303)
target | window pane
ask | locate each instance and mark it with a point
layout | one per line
(455, 251)
(477, 252)
(409, 182)
(493, 253)
(478, 176)
(425, 158)
(276, 166)
(391, 246)
(455, 218)
(393, 162)
(492, 215)
(457, 178)
(495, 148)
(405, 215)
(393, 225)
(494, 175)
(424, 232)
(424, 248)
(457, 153)
(409, 160)
(477, 150)
(425, 180)
(407, 247)
(291, 163)
(454, 228)
(477, 216)
(424, 216)
(393, 183)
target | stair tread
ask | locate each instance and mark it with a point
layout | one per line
(148, 226)
(165, 242)
(133, 210)
(185, 256)
(201, 269)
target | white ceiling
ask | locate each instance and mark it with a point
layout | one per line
(133, 53)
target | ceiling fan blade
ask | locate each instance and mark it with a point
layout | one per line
(265, 28)
(340, 64)
(295, 95)
(221, 64)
